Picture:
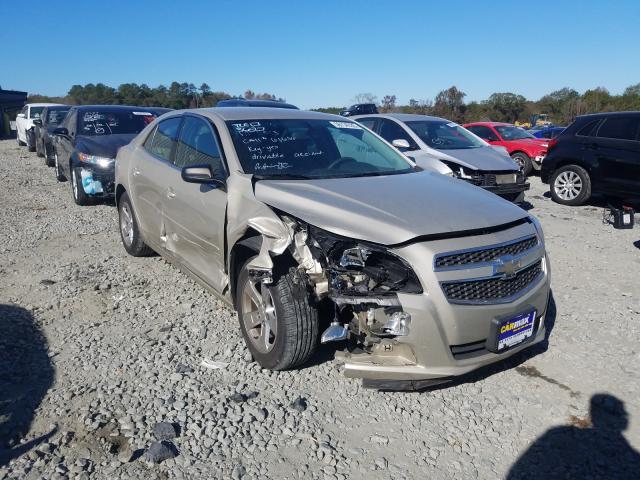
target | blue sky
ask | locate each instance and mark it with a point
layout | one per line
(323, 53)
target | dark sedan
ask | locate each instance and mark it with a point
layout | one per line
(49, 120)
(86, 144)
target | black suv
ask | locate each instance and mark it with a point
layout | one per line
(360, 109)
(597, 153)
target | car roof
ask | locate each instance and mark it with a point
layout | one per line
(241, 102)
(403, 117)
(44, 104)
(610, 114)
(262, 113)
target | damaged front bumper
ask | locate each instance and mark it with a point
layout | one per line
(448, 338)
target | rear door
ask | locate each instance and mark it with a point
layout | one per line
(616, 147)
(150, 173)
(195, 213)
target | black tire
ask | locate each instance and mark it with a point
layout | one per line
(570, 185)
(296, 318)
(77, 190)
(523, 161)
(47, 158)
(20, 142)
(134, 245)
(39, 151)
(59, 173)
(30, 145)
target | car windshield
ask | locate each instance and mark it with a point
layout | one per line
(299, 148)
(55, 117)
(443, 135)
(508, 132)
(35, 112)
(112, 122)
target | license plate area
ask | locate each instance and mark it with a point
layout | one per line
(511, 331)
(505, 178)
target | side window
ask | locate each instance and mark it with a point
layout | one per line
(621, 128)
(165, 138)
(197, 146)
(367, 122)
(587, 130)
(390, 131)
(484, 132)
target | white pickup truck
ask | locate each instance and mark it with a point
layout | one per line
(24, 123)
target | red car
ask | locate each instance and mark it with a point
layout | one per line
(527, 150)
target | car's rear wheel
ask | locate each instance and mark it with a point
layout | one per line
(523, 161)
(570, 185)
(59, 173)
(79, 195)
(278, 321)
(129, 230)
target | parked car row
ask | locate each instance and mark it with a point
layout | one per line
(285, 214)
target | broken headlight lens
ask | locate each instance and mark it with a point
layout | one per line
(103, 162)
(362, 269)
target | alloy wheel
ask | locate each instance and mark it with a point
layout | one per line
(259, 315)
(74, 184)
(568, 185)
(126, 223)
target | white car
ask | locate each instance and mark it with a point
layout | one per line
(24, 123)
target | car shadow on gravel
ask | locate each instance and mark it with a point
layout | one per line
(591, 447)
(508, 363)
(26, 373)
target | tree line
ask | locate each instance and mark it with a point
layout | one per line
(562, 105)
(176, 95)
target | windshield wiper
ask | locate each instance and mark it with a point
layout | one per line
(283, 176)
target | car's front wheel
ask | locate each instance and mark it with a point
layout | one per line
(129, 229)
(570, 185)
(523, 161)
(278, 321)
(59, 173)
(31, 145)
(79, 195)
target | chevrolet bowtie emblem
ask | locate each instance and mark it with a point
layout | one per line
(506, 266)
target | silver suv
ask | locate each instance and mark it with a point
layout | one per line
(302, 219)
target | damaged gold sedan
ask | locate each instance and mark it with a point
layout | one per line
(317, 230)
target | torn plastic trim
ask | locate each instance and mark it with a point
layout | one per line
(276, 237)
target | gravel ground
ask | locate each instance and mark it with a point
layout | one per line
(97, 348)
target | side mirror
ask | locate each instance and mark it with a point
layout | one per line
(61, 131)
(200, 174)
(38, 122)
(401, 144)
(21, 115)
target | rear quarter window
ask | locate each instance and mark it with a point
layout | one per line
(588, 129)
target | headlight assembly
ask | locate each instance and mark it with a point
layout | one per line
(362, 269)
(103, 162)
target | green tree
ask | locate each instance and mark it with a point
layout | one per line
(450, 104)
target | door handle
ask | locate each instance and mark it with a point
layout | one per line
(170, 193)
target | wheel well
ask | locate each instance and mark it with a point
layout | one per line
(519, 151)
(119, 191)
(245, 248)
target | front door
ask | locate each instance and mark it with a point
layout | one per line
(617, 151)
(195, 213)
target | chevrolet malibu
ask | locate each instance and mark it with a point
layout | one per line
(316, 230)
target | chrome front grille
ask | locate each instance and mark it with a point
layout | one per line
(493, 289)
(484, 255)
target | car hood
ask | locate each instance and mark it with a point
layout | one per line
(481, 158)
(103, 145)
(390, 209)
